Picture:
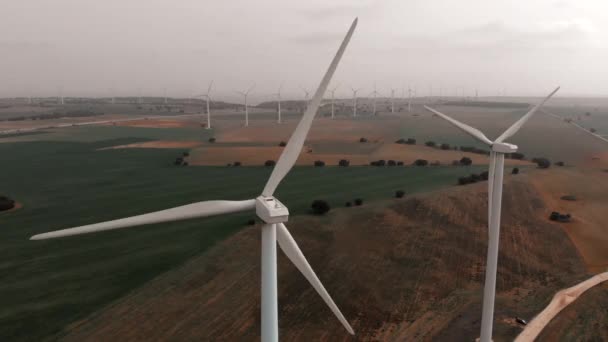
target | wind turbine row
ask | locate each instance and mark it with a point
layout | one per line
(267, 207)
(495, 182)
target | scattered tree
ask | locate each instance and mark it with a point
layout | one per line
(543, 163)
(517, 155)
(466, 161)
(282, 144)
(251, 222)
(411, 141)
(515, 171)
(358, 201)
(320, 207)
(560, 163)
(363, 140)
(445, 146)
(399, 163)
(236, 164)
(391, 163)
(186, 154)
(212, 140)
(430, 144)
(6, 203)
(399, 194)
(344, 163)
(269, 163)
(348, 204)
(319, 163)
(421, 162)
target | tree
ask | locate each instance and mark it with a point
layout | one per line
(344, 163)
(560, 163)
(421, 162)
(399, 194)
(358, 201)
(484, 175)
(236, 164)
(515, 171)
(411, 141)
(363, 140)
(348, 204)
(212, 140)
(475, 178)
(319, 163)
(179, 161)
(445, 146)
(319, 207)
(466, 161)
(391, 163)
(464, 180)
(186, 154)
(543, 163)
(430, 144)
(251, 222)
(399, 163)
(517, 155)
(400, 141)
(269, 163)
(282, 144)
(185, 163)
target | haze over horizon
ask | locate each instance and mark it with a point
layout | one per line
(89, 47)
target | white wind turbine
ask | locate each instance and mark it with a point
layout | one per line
(393, 101)
(333, 93)
(495, 180)
(207, 97)
(267, 207)
(355, 91)
(278, 94)
(409, 102)
(306, 95)
(245, 95)
(375, 94)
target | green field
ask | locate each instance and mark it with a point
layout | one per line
(46, 285)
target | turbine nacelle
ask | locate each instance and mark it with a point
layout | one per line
(501, 147)
(271, 210)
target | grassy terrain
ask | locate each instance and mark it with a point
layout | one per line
(46, 285)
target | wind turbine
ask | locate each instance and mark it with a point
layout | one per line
(165, 95)
(246, 94)
(409, 102)
(267, 207)
(208, 98)
(495, 180)
(278, 94)
(375, 93)
(355, 91)
(333, 91)
(306, 95)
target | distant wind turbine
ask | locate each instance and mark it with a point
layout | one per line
(495, 181)
(375, 94)
(207, 97)
(165, 95)
(306, 95)
(392, 101)
(278, 94)
(267, 208)
(355, 91)
(409, 102)
(245, 95)
(333, 92)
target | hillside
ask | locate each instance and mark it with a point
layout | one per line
(408, 268)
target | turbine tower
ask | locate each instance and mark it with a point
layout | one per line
(165, 95)
(306, 95)
(207, 97)
(495, 180)
(392, 101)
(245, 95)
(375, 94)
(333, 92)
(355, 91)
(409, 102)
(267, 207)
(278, 94)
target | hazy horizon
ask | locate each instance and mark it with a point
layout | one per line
(97, 49)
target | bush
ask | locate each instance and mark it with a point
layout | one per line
(543, 163)
(517, 155)
(464, 180)
(560, 163)
(358, 201)
(344, 163)
(6, 203)
(466, 161)
(445, 146)
(185, 163)
(475, 178)
(400, 141)
(421, 162)
(178, 161)
(484, 175)
(430, 144)
(282, 144)
(186, 154)
(399, 194)
(251, 222)
(515, 171)
(380, 162)
(319, 207)
(399, 163)
(236, 164)
(411, 141)
(348, 204)
(391, 163)
(319, 163)
(363, 140)
(269, 163)
(212, 140)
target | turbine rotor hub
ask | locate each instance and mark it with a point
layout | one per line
(504, 147)
(270, 210)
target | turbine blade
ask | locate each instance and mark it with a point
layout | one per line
(575, 125)
(189, 211)
(293, 252)
(517, 125)
(474, 132)
(296, 142)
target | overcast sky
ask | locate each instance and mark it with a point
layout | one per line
(88, 47)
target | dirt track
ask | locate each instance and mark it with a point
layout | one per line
(561, 299)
